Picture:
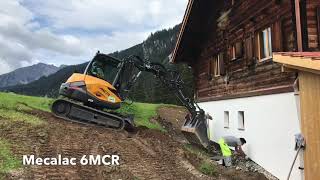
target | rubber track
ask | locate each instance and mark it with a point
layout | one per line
(82, 107)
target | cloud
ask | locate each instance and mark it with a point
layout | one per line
(40, 39)
(70, 32)
(5, 67)
(19, 42)
(13, 12)
(110, 14)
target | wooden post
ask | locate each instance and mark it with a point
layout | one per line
(310, 122)
(298, 25)
(318, 23)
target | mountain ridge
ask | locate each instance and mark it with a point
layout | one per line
(156, 48)
(25, 75)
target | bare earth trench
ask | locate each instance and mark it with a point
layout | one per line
(149, 154)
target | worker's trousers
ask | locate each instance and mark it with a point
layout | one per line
(226, 152)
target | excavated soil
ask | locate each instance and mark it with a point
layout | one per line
(148, 154)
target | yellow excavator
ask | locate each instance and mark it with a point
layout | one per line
(92, 97)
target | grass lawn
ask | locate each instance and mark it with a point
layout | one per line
(142, 112)
(7, 160)
(17, 102)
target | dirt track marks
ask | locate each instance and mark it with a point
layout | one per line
(148, 155)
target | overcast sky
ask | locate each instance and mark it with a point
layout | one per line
(71, 31)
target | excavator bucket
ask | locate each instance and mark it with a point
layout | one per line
(195, 130)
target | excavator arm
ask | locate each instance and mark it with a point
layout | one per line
(195, 125)
(107, 82)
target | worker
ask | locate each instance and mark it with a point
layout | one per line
(230, 141)
(97, 69)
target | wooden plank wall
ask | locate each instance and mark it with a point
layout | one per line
(245, 76)
(312, 22)
(310, 122)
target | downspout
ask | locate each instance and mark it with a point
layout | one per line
(298, 25)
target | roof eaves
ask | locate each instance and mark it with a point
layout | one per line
(183, 26)
(306, 61)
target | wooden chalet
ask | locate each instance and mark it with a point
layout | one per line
(230, 46)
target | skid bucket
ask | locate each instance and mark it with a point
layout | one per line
(195, 130)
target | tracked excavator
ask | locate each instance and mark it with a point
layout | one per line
(92, 97)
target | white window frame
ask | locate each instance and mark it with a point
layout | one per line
(241, 120)
(226, 123)
(264, 39)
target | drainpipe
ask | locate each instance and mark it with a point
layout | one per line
(298, 25)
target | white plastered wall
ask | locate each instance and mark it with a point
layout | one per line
(270, 122)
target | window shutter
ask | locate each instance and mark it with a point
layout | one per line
(239, 49)
(276, 37)
(230, 53)
(257, 46)
(210, 67)
(210, 70)
(249, 50)
(222, 63)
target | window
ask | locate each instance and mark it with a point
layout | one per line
(106, 69)
(264, 44)
(237, 50)
(215, 66)
(226, 119)
(241, 120)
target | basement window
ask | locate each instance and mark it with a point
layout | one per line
(264, 44)
(241, 120)
(226, 119)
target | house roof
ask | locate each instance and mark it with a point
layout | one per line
(183, 26)
(195, 27)
(303, 61)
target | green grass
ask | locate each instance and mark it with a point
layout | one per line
(196, 150)
(205, 166)
(14, 115)
(143, 112)
(7, 161)
(20, 102)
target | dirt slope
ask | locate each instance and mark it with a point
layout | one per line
(149, 154)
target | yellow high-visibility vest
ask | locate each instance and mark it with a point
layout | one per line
(226, 151)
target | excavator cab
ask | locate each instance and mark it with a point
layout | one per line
(104, 67)
(95, 88)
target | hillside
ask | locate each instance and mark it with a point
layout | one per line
(26, 75)
(28, 129)
(157, 48)
(47, 86)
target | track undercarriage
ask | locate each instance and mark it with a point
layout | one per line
(77, 112)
